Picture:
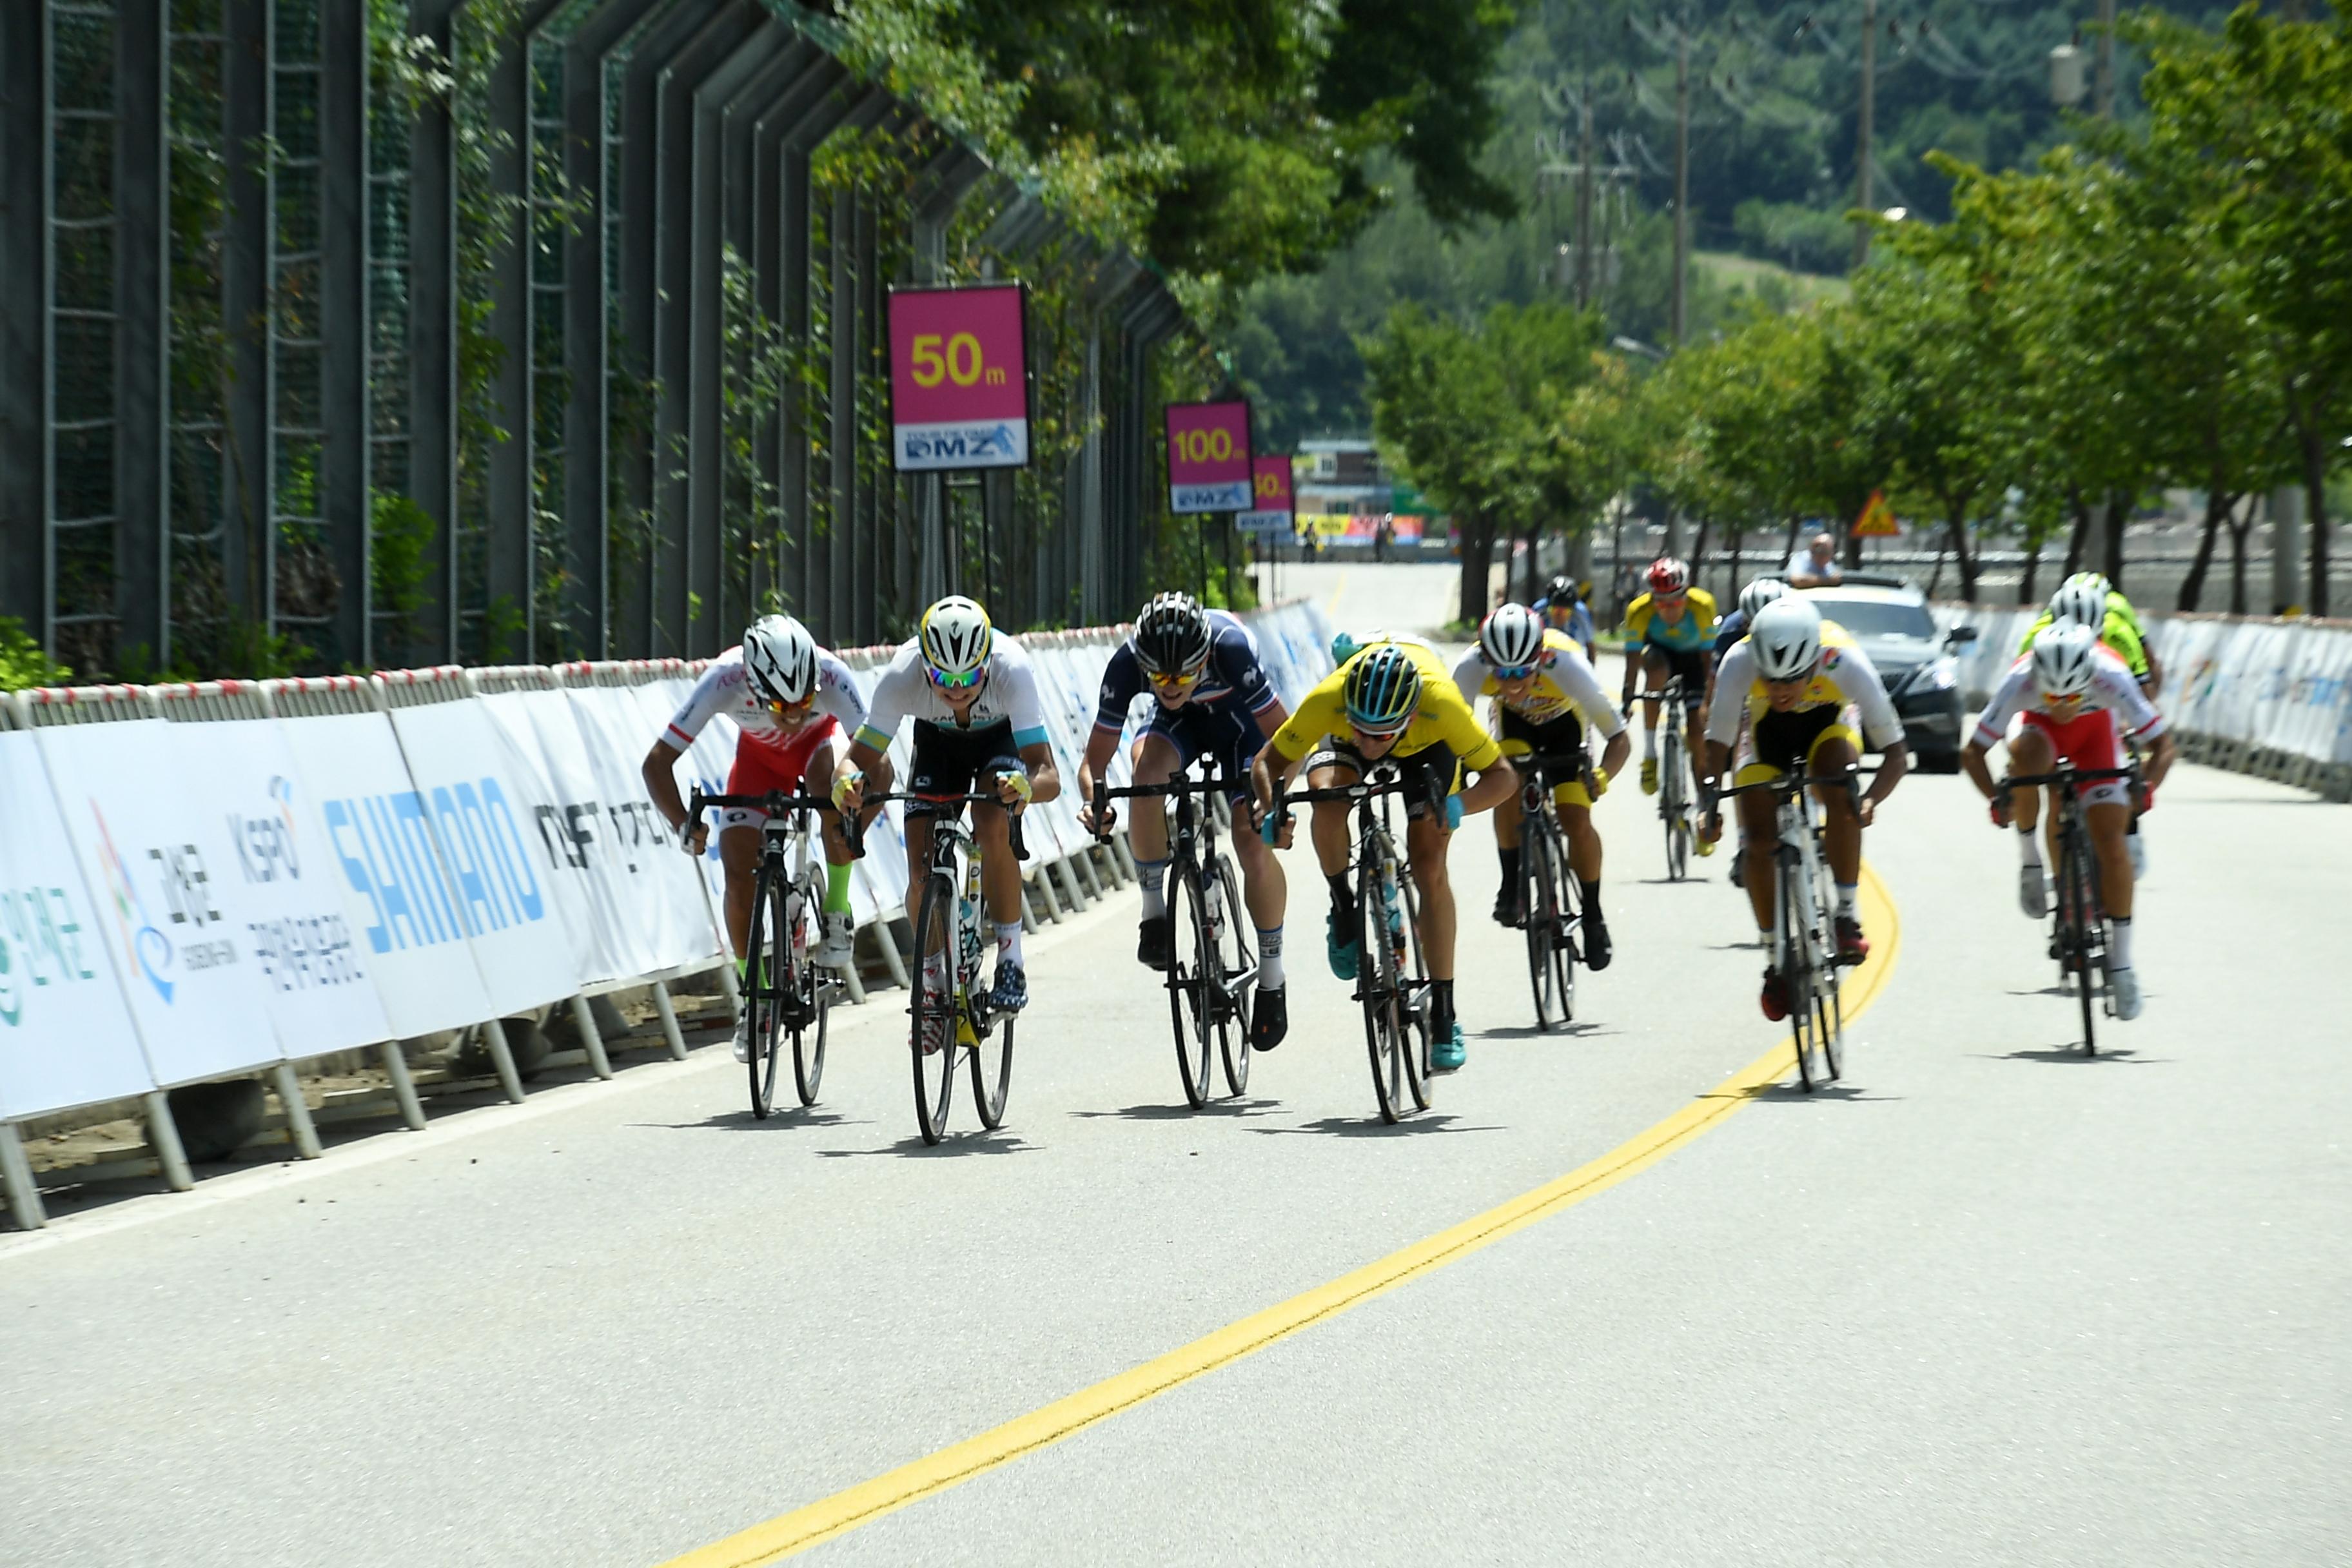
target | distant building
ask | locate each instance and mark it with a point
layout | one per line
(1346, 495)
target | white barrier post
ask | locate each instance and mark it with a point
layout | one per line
(23, 1191)
(591, 1039)
(300, 1130)
(164, 1138)
(494, 1039)
(403, 1087)
(668, 1014)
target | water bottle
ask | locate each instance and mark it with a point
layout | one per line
(794, 910)
(1215, 904)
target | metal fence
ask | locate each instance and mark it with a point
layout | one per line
(339, 334)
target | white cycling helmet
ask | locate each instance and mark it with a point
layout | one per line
(1787, 637)
(2081, 602)
(955, 638)
(1758, 594)
(1512, 638)
(2066, 657)
(780, 657)
(2095, 579)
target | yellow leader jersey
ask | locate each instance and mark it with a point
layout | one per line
(1441, 716)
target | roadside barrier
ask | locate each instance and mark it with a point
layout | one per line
(2271, 697)
(227, 881)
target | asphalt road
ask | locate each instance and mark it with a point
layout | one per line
(1992, 1302)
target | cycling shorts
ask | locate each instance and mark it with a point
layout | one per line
(1230, 738)
(761, 768)
(1558, 747)
(947, 762)
(1787, 742)
(2090, 741)
(1684, 662)
(1428, 776)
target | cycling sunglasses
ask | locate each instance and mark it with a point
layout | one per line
(1172, 678)
(959, 680)
(1512, 671)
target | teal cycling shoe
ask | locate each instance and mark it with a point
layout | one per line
(1344, 955)
(1448, 1055)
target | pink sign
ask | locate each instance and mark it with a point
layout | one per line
(1271, 504)
(959, 378)
(1208, 457)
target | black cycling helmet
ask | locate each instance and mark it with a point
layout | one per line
(1561, 592)
(1171, 635)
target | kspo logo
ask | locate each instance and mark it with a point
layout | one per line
(265, 845)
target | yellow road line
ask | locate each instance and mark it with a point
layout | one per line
(952, 1466)
(1339, 586)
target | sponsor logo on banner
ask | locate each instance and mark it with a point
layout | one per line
(40, 945)
(991, 443)
(297, 952)
(1264, 522)
(150, 954)
(386, 846)
(569, 832)
(1230, 497)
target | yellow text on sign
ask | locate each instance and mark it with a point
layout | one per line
(962, 361)
(1269, 485)
(1204, 445)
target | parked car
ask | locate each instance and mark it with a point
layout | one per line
(1890, 619)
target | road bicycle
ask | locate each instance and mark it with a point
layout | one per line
(782, 991)
(1804, 938)
(2078, 923)
(952, 1017)
(1676, 807)
(1212, 963)
(1392, 980)
(1550, 910)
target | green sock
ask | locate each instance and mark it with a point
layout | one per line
(837, 890)
(742, 972)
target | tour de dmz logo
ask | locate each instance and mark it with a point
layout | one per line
(969, 442)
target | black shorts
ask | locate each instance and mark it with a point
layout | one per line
(1228, 738)
(1786, 741)
(1427, 775)
(1555, 742)
(946, 761)
(1687, 663)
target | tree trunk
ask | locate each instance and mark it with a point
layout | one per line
(2192, 588)
(1477, 566)
(1790, 547)
(1956, 528)
(2081, 538)
(2238, 528)
(1698, 551)
(2033, 543)
(1535, 573)
(1738, 537)
(2315, 509)
(2119, 514)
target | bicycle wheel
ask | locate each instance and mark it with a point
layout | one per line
(937, 1007)
(993, 1048)
(1377, 984)
(1236, 956)
(2078, 909)
(1539, 917)
(1570, 925)
(1797, 943)
(1413, 994)
(767, 982)
(1191, 964)
(1671, 808)
(811, 1007)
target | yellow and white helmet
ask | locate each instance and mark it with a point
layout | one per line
(955, 640)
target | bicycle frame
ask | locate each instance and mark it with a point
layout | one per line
(2078, 912)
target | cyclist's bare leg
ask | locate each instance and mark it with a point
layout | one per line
(1426, 839)
(1694, 743)
(2107, 822)
(1506, 820)
(738, 852)
(1328, 824)
(2031, 753)
(1654, 670)
(1841, 832)
(918, 859)
(1583, 840)
(1000, 873)
(1759, 835)
(818, 781)
(1156, 762)
(1265, 889)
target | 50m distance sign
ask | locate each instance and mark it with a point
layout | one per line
(959, 378)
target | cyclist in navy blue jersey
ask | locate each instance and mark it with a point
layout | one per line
(1209, 697)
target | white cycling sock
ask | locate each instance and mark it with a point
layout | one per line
(935, 974)
(2029, 845)
(1845, 900)
(1153, 875)
(1008, 942)
(2120, 942)
(1649, 745)
(1269, 958)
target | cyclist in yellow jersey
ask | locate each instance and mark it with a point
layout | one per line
(1797, 674)
(1668, 631)
(1545, 693)
(1392, 701)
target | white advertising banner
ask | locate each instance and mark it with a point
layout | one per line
(391, 881)
(66, 1038)
(559, 810)
(468, 804)
(161, 863)
(654, 890)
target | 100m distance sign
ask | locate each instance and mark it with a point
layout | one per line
(959, 378)
(1208, 457)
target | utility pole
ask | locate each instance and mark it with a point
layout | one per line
(1861, 180)
(1682, 176)
(1584, 289)
(2103, 74)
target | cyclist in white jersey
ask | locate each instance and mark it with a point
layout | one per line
(792, 702)
(973, 695)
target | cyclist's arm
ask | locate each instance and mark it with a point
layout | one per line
(1992, 724)
(1045, 778)
(660, 771)
(1737, 674)
(1979, 770)
(1637, 624)
(1271, 718)
(1497, 781)
(2161, 755)
(1856, 679)
(2154, 681)
(1470, 677)
(1270, 772)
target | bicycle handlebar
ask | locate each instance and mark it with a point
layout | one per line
(1019, 848)
(2066, 776)
(774, 803)
(1181, 785)
(1790, 784)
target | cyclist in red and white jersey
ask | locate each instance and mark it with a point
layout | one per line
(793, 704)
(2078, 698)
